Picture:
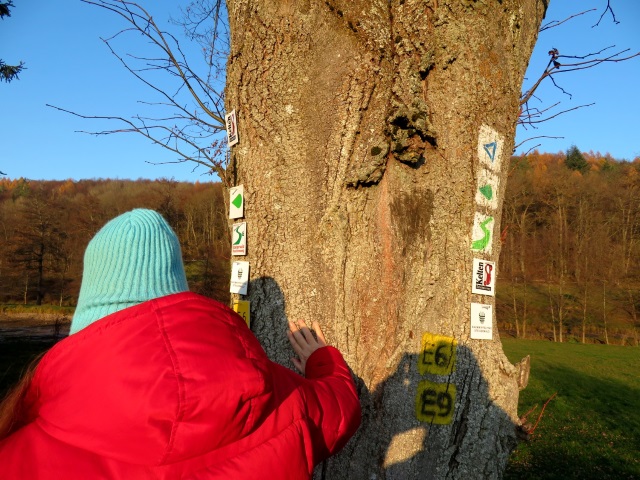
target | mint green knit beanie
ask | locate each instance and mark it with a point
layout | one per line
(134, 258)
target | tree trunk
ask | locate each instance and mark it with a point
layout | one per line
(524, 308)
(561, 309)
(26, 288)
(515, 308)
(553, 315)
(604, 312)
(366, 129)
(634, 316)
(584, 312)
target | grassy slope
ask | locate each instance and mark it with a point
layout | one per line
(591, 429)
(618, 307)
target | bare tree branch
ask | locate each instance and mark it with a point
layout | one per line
(556, 23)
(192, 122)
(558, 63)
(608, 9)
(534, 138)
(535, 118)
(531, 149)
(172, 139)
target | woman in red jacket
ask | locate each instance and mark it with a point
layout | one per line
(155, 382)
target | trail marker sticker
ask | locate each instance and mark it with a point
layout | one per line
(232, 128)
(481, 321)
(243, 308)
(438, 355)
(482, 233)
(490, 148)
(435, 402)
(484, 277)
(487, 193)
(236, 202)
(239, 239)
(239, 278)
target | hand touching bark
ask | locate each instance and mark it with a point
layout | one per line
(304, 343)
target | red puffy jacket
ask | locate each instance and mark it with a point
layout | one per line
(178, 388)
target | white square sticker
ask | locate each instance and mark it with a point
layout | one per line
(239, 278)
(484, 277)
(236, 202)
(490, 148)
(232, 128)
(481, 321)
(239, 239)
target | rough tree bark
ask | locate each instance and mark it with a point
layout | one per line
(361, 127)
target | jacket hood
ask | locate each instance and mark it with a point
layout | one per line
(155, 384)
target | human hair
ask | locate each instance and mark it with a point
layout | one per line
(13, 413)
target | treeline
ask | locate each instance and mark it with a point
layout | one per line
(569, 268)
(45, 227)
(570, 263)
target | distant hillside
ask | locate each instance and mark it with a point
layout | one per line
(570, 242)
(571, 248)
(608, 316)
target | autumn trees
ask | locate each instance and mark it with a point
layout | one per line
(571, 227)
(45, 227)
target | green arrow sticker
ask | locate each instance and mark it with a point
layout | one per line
(239, 231)
(482, 243)
(237, 202)
(487, 191)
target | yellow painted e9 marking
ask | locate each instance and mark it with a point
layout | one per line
(435, 402)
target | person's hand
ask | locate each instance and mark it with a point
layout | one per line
(304, 343)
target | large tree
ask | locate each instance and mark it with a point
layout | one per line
(372, 135)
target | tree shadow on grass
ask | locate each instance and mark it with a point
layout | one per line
(591, 430)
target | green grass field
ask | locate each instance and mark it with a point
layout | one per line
(591, 429)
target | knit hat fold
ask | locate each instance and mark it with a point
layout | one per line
(134, 258)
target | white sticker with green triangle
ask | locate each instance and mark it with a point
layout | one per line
(487, 189)
(490, 148)
(236, 202)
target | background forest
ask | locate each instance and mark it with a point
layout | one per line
(570, 233)
(46, 225)
(569, 267)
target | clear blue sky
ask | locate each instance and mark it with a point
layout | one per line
(69, 66)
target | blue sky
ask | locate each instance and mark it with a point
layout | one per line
(69, 66)
(611, 125)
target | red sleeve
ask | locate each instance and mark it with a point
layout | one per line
(332, 401)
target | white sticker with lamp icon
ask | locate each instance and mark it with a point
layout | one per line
(481, 321)
(239, 278)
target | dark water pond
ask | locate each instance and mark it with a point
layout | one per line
(32, 330)
(23, 340)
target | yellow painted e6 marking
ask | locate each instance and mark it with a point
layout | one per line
(438, 355)
(243, 308)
